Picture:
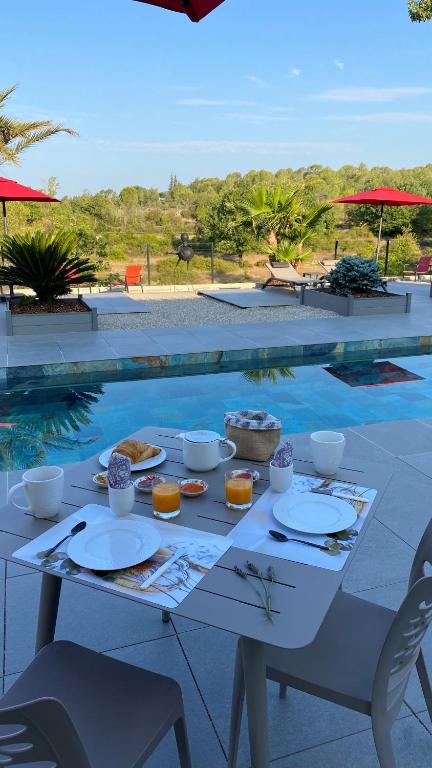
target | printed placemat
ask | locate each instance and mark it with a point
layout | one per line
(252, 532)
(203, 550)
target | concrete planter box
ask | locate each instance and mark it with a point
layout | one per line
(51, 322)
(387, 304)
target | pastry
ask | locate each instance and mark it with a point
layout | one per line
(136, 451)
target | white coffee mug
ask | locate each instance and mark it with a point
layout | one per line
(121, 500)
(327, 450)
(44, 488)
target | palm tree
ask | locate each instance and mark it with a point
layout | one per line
(281, 216)
(18, 135)
(263, 375)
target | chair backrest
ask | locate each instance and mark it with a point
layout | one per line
(284, 272)
(424, 264)
(401, 649)
(133, 274)
(40, 734)
(422, 556)
(328, 264)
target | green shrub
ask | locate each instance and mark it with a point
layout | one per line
(404, 253)
(353, 275)
(45, 263)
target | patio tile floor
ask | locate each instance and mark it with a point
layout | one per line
(304, 731)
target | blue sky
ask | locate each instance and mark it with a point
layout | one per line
(257, 84)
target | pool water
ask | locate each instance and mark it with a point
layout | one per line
(69, 423)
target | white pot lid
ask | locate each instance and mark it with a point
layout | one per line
(202, 436)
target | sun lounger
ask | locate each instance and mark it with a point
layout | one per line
(287, 275)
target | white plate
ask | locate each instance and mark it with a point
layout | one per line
(114, 544)
(147, 464)
(312, 513)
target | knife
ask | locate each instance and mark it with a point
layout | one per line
(164, 567)
(340, 495)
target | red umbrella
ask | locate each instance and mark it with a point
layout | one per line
(195, 9)
(11, 190)
(381, 197)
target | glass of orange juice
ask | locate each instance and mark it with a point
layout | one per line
(166, 499)
(238, 490)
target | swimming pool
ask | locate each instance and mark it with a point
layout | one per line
(60, 424)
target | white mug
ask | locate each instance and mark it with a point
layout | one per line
(44, 489)
(327, 450)
(121, 500)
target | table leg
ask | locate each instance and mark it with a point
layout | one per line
(48, 608)
(256, 699)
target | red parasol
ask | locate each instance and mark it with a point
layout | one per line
(11, 190)
(195, 9)
(381, 197)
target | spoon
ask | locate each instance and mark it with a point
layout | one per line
(281, 537)
(76, 529)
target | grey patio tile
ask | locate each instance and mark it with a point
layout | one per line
(420, 461)
(299, 722)
(412, 746)
(401, 438)
(30, 356)
(165, 656)
(424, 717)
(185, 625)
(137, 348)
(404, 507)
(381, 559)
(15, 569)
(88, 616)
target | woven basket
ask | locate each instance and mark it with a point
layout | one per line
(253, 444)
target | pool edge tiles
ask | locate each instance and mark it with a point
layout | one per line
(315, 352)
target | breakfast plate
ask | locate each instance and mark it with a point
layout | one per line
(311, 513)
(146, 464)
(114, 544)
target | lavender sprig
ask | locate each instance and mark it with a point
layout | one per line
(264, 593)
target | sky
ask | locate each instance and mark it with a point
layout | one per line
(257, 84)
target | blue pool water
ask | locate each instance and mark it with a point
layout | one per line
(69, 423)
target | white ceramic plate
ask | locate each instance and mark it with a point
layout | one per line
(98, 482)
(147, 464)
(312, 513)
(114, 544)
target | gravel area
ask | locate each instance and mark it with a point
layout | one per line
(185, 309)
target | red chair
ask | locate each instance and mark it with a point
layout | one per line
(424, 267)
(132, 277)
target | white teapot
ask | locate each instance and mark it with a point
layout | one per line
(201, 450)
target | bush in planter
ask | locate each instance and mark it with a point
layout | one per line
(45, 263)
(353, 275)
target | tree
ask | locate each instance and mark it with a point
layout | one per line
(420, 10)
(18, 135)
(281, 216)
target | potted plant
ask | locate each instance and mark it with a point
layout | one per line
(49, 266)
(355, 287)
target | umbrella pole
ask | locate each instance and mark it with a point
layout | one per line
(379, 233)
(5, 226)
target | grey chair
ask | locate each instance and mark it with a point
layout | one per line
(74, 708)
(361, 658)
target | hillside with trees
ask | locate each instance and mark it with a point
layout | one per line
(115, 228)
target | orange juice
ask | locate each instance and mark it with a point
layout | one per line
(166, 500)
(238, 491)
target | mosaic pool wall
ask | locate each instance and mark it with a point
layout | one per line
(196, 362)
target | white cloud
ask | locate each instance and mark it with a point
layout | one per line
(385, 118)
(357, 94)
(339, 64)
(227, 147)
(258, 81)
(257, 118)
(294, 72)
(214, 103)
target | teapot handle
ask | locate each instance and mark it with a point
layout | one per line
(233, 452)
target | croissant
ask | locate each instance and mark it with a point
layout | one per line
(136, 451)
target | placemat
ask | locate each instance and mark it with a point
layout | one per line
(203, 551)
(252, 531)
